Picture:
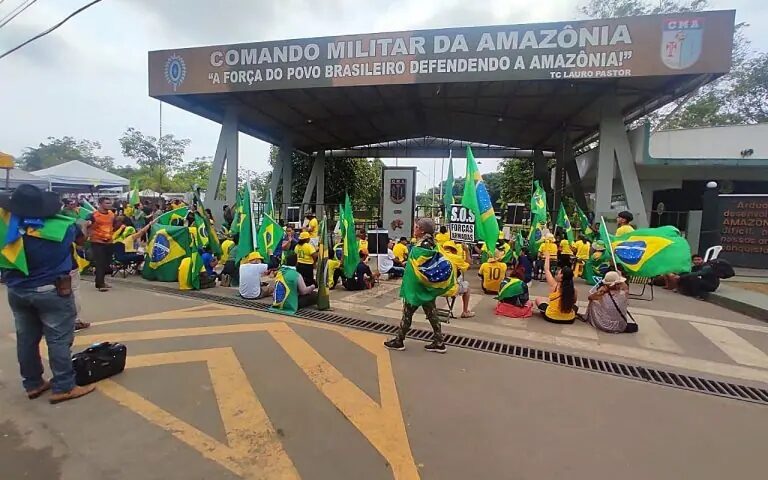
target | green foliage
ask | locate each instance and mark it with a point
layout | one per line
(148, 152)
(61, 150)
(516, 180)
(626, 8)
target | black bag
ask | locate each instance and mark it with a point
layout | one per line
(722, 268)
(99, 361)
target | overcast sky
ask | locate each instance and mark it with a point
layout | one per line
(88, 79)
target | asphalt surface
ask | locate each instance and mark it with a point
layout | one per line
(215, 392)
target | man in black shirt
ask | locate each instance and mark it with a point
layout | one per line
(363, 278)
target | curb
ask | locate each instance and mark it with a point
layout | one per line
(733, 303)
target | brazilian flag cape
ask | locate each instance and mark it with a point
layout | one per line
(167, 246)
(510, 287)
(428, 275)
(12, 254)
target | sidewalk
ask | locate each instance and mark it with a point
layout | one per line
(747, 301)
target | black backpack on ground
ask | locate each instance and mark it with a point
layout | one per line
(722, 268)
(99, 361)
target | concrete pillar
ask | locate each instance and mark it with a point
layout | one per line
(287, 162)
(320, 194)
(614, 150)
(226, 153)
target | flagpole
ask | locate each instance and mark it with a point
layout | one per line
(253, 220)
(610, 247)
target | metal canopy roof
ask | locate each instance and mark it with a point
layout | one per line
(521, 114)
(508, 85)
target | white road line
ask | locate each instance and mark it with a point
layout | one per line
(738, 349)
(579, 329)
(651, 335)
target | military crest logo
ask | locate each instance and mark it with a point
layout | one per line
(681, 42)
(397, 190)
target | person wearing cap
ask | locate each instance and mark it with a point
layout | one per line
(41, 300)
(623, 220)
(306, 255)
(251, 272)
(607, 309)
(442, 236)
(547, 250)
(387, 262)
(313, 229)
(459, 258)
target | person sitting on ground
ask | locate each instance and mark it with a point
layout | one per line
(520, 300)
(547, 250)
(401, 252)
(492, 272)
(208, 277)
(565, 254)
(230, 274)
(363, 241)
(607, 309)
(561, 304)
(387, 263)
(515, 270)
(442, 236)
(307, 255)
(290, 291)
(524, 260)
(226, 249)
(289, 240)
(581, 249)
(701, 281)
(251, 272)
(459, 258)
(334, 268)
(363, 278)
(623, 220)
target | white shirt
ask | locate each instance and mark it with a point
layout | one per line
(386, 262)
(250, 279)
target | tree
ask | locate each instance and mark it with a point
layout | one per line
(62, 150)
(516, 179)
(735, 98)
(148, 152)
(197, 172)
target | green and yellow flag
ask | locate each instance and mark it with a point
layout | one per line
(12, 254)
(247, 243)
(586, 228)
(349, 239)
(234, 227)
(448, 189)
(209, 232)
(323, 296)
(649, 252)
(428, 275)
(538, 201)
(477, 199)
(167, 246)
(269, 236)
(510, 287)
(176, 217)
(518, 244)
(564, 223)
(133, 197)
(536, 235)
(85, 210)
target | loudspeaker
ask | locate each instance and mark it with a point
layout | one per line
(378, 241)
(516, 213)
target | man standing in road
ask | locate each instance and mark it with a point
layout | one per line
(423, 231)
(101, 225)
(42, 301)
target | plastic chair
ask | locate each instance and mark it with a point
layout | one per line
(712, 253)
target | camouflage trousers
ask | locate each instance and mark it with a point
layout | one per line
(430, 310)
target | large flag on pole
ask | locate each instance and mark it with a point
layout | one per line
(538, 202)
(477, 199)
(350, 241)
(650, 252)
(270, 236)
(247, 243)
(133, 197)
(518, 244)
(323, 296)
(210, 233)
(586, 229)
(564, 223)
(448, 189)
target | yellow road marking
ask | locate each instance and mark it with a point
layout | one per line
(209, 310)
(178, 332)
(738, 349)
(253, 447)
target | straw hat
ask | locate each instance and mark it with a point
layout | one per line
(613, 278)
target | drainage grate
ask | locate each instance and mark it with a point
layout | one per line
(624, 370)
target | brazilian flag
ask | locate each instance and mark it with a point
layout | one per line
(349, 239)
(176, 217)
(564, 223)
(12, 255)
(510, 287)
(518, 244)
(649, 252)
(538, 201)
(536, 235)
(167, 247)
(85, 210)
(586, 229)
(428, 275)
(477, 199)
(269, 236)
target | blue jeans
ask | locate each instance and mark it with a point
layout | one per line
(44, 313)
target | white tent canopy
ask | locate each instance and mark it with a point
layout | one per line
(16, 177)
(78, 176)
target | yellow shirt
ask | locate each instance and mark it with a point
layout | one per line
(226, 246)
(582, 249)
(548, 249)
(312, 228)
(565, 247)
(553, 309)
(364, 245)
(333, 265)
(624, 229)
(400, 251)
(305, 252)
(441, 238)
(492, 273)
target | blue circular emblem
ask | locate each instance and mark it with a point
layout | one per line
(161, 248)
(281, 291)
(175, 71)
(630, 252)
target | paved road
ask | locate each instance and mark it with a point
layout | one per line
(213, 392)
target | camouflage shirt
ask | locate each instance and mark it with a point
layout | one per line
(427, 241)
